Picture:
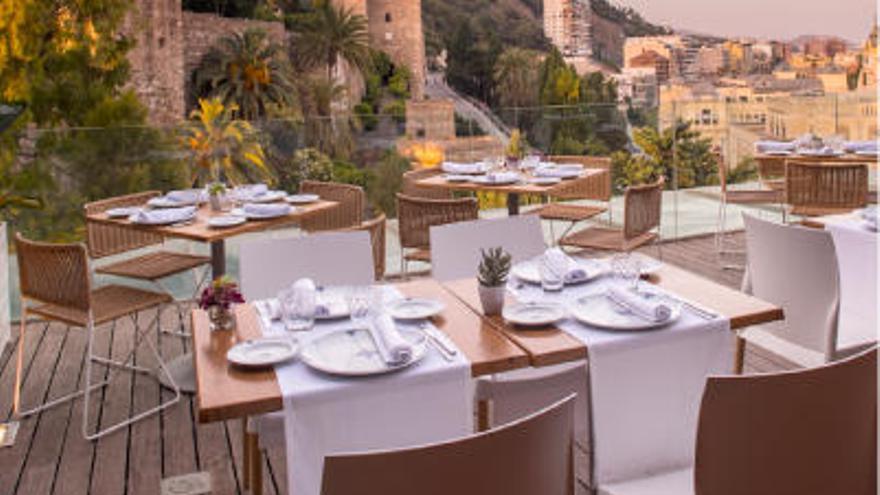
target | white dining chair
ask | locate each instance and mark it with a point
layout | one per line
(267, 266)
(333, 258)
(455, 254)
(794, 268)
(794, 432)
(455, 248)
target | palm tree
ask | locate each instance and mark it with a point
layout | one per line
(249, 71)
(334, 33)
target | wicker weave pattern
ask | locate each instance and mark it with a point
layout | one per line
(770, 167)
(416, 216)
(642, 209)
(597, 188)
(348, 213)
(376, 228)
(106, 240)
(54, 273)
(413, 190)
(826, 186)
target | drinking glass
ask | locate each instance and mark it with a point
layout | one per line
(362, 303)
(552, 277)
(628, 268)
(298, 309)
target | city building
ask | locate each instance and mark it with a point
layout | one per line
(651, 60)
(586, 40)
(712, 60)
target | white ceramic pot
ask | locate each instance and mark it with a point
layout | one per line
(492, 299)
(216, 203)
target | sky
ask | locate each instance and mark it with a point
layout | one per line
(771, 19)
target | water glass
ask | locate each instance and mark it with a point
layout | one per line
(298, 309)
(362, 303)
(628, 268)
(552, 277)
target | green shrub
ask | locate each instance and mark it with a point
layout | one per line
(746, 170)
(397, 110)
(349, 173)
(387, 181)
(366, 116)
(304, 164)
(398, 84)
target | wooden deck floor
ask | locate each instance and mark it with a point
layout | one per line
(50, 455)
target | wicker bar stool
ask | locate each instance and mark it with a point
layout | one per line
(413, 190)
(103, 241)
(55, 285)
(415, 218)
(819, 189)
(376, 228)
(577, 190)
(641, 223)
(349, 212)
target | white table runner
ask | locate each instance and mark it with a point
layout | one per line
(645, 386)
(430, 401)
(856, 248)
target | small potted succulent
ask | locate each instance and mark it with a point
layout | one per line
(493, 272)
(217, 299)
(216, 191)
(516, 149)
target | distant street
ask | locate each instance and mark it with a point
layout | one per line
(437, 88)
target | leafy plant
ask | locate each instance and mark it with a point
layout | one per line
(494, 267)
(517, 146)
(746, 170)
(305, 164)
(332, 33)
(367, 117)
(387, 181)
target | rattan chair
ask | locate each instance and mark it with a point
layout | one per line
(413, 190)
(416, 216)
(348, 213)
(819, 189)
(526, 457)
(577, 190)
(55, 284)
(739, 197)
(105, 240)
(376, 228)
(642, 210)
(771, 171)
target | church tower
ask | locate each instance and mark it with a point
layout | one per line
(396, 29)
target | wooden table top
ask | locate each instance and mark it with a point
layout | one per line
(225, 392)
(829, 160)
(549, 345)
(200, 231)
(439, 182)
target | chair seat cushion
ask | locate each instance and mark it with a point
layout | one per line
(568, 212)
(418, 255)
(108, 303)
(753, 196)
(818, 211)
(781, 349)
(605, 238)
(154, 266)
(679, 482)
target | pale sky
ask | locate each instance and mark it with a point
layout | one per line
(775, 19)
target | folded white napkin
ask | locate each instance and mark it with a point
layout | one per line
(463, 168)
(655, 311)
(572, 271)
(187, 196)
(251, 191)
(860, 146)
(393, 348)
(502, 176)
(823, 151)
(266, 210)
(774, 146)
(164, 216)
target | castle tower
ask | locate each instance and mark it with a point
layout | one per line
(396, 29)
(157, 75)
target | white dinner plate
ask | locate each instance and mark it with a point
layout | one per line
(225, 221)
(414, 309)
(457, 178)
(267, 197)
(597, 310)
(545, 181)
(125, 211)
(533, 314)
(163, 202)
(777, 153)
(485, 180)
(529, 271)
(872, 154)
(302, 199)
(353, 352)
(255, 216)
(260, 353)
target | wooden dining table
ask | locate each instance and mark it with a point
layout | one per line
(598, 176)
(492, 346)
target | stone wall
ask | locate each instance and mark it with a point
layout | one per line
(430, 119)
(396, 28)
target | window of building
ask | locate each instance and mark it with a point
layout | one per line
(387, 16)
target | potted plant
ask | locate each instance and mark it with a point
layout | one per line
(516, 149)
(493, 272)
(216, 190)
(217, 299)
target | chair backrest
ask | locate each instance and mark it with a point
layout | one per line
(807, 431)
(415, 217)
(413, 190)
(54, 273)
(349, 212)
(332, 258)
(530, 456)
(795, 268)
(642, 208)
(106, 240)
(770, 167)
(584, 189)
(455, 248)
(826, 185)
(376, 228)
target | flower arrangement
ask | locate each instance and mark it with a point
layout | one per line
(516, 148)
(217, 299)
(427, 155)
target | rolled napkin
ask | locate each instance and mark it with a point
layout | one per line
(164, 216)
(654, 311)
(502, 176)
(860, 147)
(572, 271)
(391, 345)
(775, 146)
(463, 168)
(186, 196)
(266, 209)
(250, 191)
